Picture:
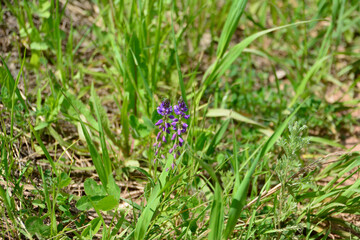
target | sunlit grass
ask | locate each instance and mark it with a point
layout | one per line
(80, 85)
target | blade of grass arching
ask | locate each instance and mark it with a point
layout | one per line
(105, 155)
(302, 86)
(112, 188)
(232, 114)
(181, 80)
(73, 106)
(235, 51)
(95, 156)
(326, 142)
(218, 68)
(232, 20)
(150, 208)
(239, 197)
(217, 215)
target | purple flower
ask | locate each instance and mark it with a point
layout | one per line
(158, 135)
(159, 122)
(181, 108)
(165, 108)
(169, 124)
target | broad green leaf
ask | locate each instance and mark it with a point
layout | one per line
(83, 204)
(93, 189)
(107, 203)
(229, 113)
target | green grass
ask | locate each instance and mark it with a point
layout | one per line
(272, 91)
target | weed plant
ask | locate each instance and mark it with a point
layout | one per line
(162, 119)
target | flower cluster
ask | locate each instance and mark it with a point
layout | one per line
(169, 122)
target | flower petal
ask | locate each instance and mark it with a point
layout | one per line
(159, 122)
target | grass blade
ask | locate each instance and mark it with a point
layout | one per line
(181, 80)
(239, 196)
(217, 137)
(154, 200)
(236, 10)
(217, 215)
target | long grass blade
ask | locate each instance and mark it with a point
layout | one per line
(238, 200)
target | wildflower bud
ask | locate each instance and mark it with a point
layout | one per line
(171, 150)
(181, 140)
(173, 137)
(164, 138)
(167, 125)
(175, 120)
(172, 165)
(173, 124)
(159, 122)
(157, 151)
(186, 116)
(167, 131)
(154, 160)
(158, 136)
(171, 116)
(174, 155)
(162, 155)
(184, 125)
(180, 144)
(159, 145)
(154, 145)
(179, 131)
